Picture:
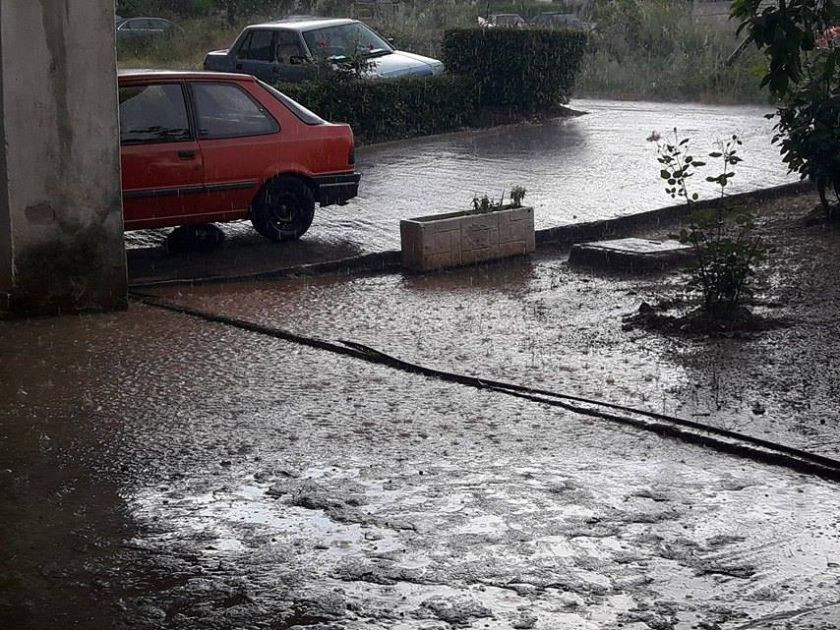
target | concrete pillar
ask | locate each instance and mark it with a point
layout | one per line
(61, 233)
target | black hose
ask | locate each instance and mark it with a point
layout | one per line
(669, 426)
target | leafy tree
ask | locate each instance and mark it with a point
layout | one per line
(803, 52)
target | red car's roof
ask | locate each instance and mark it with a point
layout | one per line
(182, 74)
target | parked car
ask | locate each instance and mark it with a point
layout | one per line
(200, 147)
(281, 50)
(142, 27)
(559, 20)
(502, 20)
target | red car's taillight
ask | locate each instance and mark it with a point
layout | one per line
(351, 159)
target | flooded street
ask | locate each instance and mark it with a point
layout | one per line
(161, 471)
(307, 427)
(204, 477)
(578, 169)
(591, 167)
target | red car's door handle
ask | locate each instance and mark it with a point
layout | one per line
(186, 155)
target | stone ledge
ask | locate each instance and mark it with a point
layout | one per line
(631, 254)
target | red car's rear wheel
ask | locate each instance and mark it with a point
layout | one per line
(284, 209)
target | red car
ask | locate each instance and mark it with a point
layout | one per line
(202, 147)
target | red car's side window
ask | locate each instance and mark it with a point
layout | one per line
(224, 110)
(153, 113)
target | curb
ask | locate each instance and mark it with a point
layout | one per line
(595, 230)
(377, 261)
(546, 239)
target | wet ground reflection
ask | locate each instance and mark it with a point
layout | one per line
(591, 167)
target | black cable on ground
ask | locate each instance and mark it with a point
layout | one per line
(512, 387)
(717, 438)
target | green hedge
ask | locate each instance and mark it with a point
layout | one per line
(524, 69)
(380, 110)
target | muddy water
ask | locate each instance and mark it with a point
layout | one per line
(591, 167)
(548, 325)
(160, 472)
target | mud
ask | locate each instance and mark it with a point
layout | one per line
(157, 471)
(692, 321)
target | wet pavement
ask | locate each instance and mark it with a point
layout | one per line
(158, 471)
(590, 167)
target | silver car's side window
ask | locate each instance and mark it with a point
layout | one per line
(287, 46)
(257, 46)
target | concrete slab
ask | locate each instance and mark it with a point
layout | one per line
(632, 254)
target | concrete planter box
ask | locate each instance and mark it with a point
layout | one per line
(464, 238)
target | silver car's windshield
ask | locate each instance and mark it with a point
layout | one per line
(345, 40)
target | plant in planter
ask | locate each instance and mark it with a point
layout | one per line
(485, 203)
(517, 194)
(489, 231)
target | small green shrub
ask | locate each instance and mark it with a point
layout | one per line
(524, 69)
(726, 253)
(517, 194)
(388, 110)
(485, 203)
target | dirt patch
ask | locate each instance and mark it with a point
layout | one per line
(741, 324)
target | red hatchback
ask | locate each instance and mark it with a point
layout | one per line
(202, 147)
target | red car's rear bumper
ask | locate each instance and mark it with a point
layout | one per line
(331, 189)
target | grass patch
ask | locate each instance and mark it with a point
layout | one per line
(183, 50)
(658, 51)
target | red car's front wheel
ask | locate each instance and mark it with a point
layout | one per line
(284, 209)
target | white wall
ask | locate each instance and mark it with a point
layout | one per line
(60, 207)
